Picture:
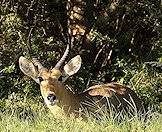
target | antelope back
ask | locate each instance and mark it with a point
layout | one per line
(51, 85)
(111, 96)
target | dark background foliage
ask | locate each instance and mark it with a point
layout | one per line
(124, 35)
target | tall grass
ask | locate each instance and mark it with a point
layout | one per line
(46, 122)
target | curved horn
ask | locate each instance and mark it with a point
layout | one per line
(61, 61)
(37, 63)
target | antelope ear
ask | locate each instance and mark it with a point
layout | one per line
(106, 90)
(28, 68)
(73, 65)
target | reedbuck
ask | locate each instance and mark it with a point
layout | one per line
(92, 100)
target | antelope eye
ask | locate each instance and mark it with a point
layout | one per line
(40, 79)
(60, 78)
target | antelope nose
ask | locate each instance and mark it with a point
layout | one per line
(51, 97)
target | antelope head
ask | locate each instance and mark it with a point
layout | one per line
(50, 82)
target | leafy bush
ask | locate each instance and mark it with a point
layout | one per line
(147, 84)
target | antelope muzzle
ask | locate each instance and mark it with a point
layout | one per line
(52, 100)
